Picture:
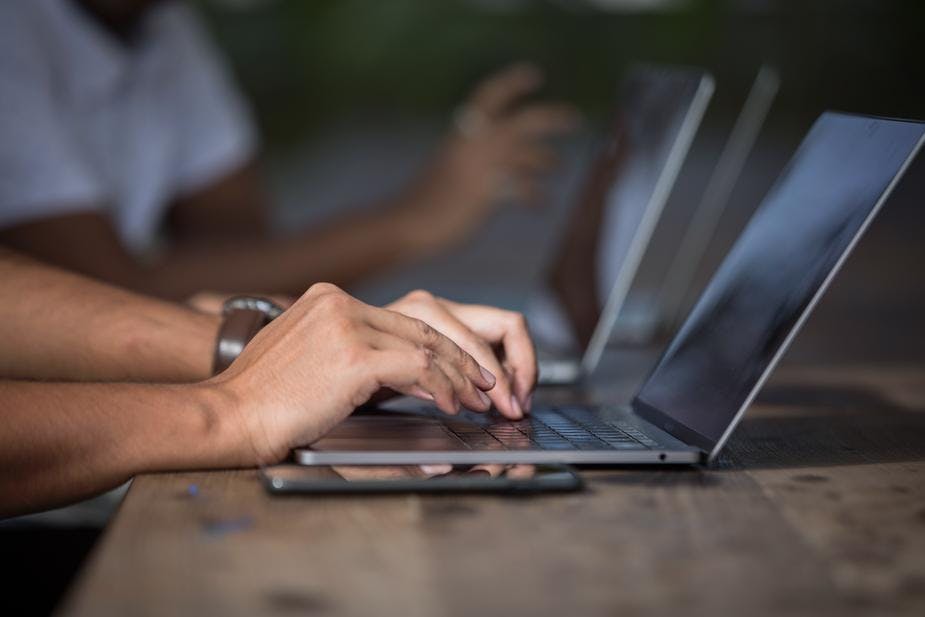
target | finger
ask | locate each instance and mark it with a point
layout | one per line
(494, 95)
(380, 341)
(436, 470)
(493, 470)
(402, 371)
(463, 390)
(537, 121)
(502, 394)
(434, 312)
(356, 473)
(421, 333)
(466, 392)
(520, 355)
(533, 158)
(509, 329)
(521, 472)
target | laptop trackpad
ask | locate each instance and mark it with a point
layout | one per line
(387, 430)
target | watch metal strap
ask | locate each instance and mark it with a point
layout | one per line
(238, 328)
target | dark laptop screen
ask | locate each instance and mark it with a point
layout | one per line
(807, 222)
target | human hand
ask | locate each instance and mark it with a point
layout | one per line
(328, 354)
(478, 330)
(498, 151)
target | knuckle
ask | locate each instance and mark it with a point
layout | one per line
(335, 302)
(343, 330)
(427, 333)
(423, 359)
(420, 296)
(342, 327)
(353, 353)
(320, 289)
(517, 320)
(466, 358)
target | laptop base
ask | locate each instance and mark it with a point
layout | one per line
(423, 435)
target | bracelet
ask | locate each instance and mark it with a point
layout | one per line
(243, 318)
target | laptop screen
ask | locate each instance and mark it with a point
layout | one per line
(806, 225)
(627, 183)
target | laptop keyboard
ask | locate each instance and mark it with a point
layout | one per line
(557, 428)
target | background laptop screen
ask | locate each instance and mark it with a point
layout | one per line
(620, 189)
(807, 221)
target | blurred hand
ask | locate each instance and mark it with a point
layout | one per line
(478, 330)
(328, 354)
(499, 151)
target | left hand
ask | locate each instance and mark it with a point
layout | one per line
(499, 152)
(479, 330)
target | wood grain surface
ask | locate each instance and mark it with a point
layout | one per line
(817, 507)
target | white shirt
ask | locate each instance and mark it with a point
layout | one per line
(87, 122)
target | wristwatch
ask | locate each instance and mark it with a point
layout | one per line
(242, 318)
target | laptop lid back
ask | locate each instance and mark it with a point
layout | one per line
(676, 291)
(775, 273)
(659, 111)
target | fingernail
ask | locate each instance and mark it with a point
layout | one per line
(422, 393)
(436, 470)
(484, 398)
(515, 405)
(488, 377)
(528, 402)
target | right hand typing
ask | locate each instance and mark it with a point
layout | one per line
(328, 354)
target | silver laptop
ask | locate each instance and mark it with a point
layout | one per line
(659, 112)
(743, 322)
(646, 316)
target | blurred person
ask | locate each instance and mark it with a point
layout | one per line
(98, 384)
(128, 154)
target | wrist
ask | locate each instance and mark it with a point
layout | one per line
(175, 427)
(424, 223)
(226, 437)
(175, 345)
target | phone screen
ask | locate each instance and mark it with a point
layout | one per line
(413, 478)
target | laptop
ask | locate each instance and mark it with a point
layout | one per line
(659, 112)
(726, 348)
(652, 314)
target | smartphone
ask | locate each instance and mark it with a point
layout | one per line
(298, 479)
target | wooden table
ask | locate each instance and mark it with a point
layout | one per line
(817, 507)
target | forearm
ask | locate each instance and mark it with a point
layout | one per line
(343, 252)
(60, 326)
(63, 442)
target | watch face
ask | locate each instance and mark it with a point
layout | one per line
(253, 303)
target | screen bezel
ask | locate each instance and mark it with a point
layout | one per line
(712, 447)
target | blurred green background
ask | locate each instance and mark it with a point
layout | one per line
(307, 63)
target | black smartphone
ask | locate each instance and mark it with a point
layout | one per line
(299, 479)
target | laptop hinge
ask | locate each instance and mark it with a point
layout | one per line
(672, 427)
